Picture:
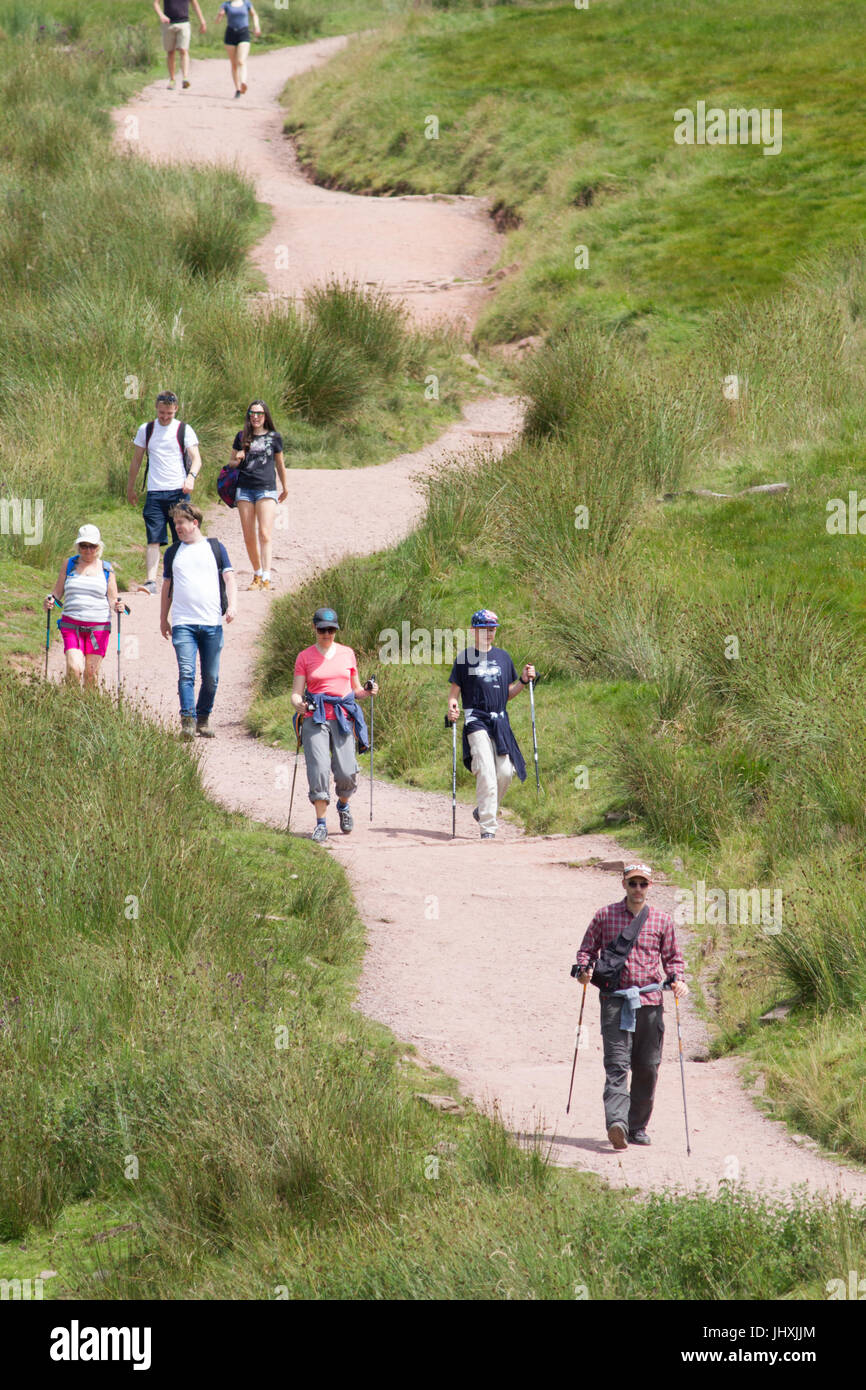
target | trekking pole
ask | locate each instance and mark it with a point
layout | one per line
(576, 1046)
(127, 611)
(368, 685)
(453, 723)
(534, 737)
(47, 639)
(296, 720)
(667, 985)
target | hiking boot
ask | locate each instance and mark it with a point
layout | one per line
(256, 584)
(187, 726)
(266, 584)
(203, 729)
(320, 834)
(638, 1136)
(346, 822)
(148, 587)
(618, 1135)
(186, 82)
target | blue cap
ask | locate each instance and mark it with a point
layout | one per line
(325, 617)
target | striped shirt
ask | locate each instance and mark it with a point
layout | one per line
(656, 944)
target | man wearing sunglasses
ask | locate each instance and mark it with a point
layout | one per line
(632, 1028)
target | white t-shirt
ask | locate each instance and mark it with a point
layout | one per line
(195, 597)
(166, 469)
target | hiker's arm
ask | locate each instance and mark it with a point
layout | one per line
(358, 690)
(114, 600)
(57, 591)
(231, 595)
(281, 470)
(588, 951)
(257, 31)
(528, 674)
(672, 961)
(193, 469)
(137, 456)
(163, 18)
(201, 20)
(298, 685)
(164, 605)
(454, 703)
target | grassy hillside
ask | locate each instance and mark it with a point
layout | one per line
(565, 117)
(192, 1109)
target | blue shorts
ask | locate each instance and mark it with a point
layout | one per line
(255, 494)
(157, 506)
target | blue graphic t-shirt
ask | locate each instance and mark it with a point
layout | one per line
(483, 678)
(237, 13)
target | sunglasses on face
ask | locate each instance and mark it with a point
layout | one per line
(87, 545)
(255, 412)
(327, 629)
(637, 883)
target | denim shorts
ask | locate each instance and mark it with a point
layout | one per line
(255, 494)
(157, 506)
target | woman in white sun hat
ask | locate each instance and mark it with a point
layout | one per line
(87, 588)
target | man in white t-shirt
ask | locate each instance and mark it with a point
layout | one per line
(196, 570)
(173, 464)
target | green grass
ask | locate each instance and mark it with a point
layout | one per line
(193, 1109)
(575, 139)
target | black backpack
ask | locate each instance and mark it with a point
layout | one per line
(611, 961)
(217, 554)
(148, 431)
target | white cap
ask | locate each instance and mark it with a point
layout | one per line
(89, 535)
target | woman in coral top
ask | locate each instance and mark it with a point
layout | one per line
(324, 692)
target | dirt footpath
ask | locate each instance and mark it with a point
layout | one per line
(470, 944)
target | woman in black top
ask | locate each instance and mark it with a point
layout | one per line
(258, 450)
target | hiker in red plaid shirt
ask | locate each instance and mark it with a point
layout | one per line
(655, 956)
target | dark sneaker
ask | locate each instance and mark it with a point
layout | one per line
(185, 84)
(346, 823)
(148, 587)
(203, 729)
(187, 725)
(475, 815)
(618, 1135)
(638, 1136)
(237, 94)
(488, 835)
(320, 834)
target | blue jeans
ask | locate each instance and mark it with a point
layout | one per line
(187, 639)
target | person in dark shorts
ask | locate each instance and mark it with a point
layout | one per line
(258, 449)
(237, 15)
(173, 464)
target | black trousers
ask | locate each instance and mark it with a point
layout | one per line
(639, 1052)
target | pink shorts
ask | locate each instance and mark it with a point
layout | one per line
(75, 640)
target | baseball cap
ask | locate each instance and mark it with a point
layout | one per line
(325, 617)
(637, 868)
(484, 617)
(89, 535)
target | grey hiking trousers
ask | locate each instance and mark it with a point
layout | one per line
(640, 1051)
(326, 749)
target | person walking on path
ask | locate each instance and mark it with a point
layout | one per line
(258, 450)
(237, 15)
(632, 1018)
(87, 587)
(173, 464)
(173, 15)
(200, 588)
(485, 678)
(325, 690)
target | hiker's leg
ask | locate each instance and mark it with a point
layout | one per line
(74, 665)
(484, 767)
(169, 59)
(152, 563)
(184, 52)
(243, 52)
(504, 774)
(185, 649)
(92, 663)
(266, 510)
(210, 645)
(344, 764)
(617, 1059)
(232, 55)
(646, 1056)
(317, 750)
(247, 514)
(157, 523)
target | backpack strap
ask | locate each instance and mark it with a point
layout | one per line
(168, 560)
